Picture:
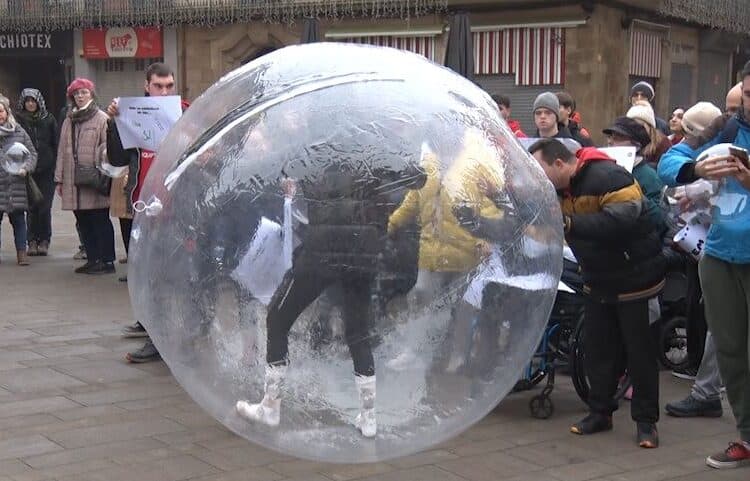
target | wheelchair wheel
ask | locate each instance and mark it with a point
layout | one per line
(673, 343)
(578, 371)
(541, 406)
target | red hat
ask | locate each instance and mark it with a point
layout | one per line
(78, 84)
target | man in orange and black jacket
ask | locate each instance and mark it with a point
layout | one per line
(619, 250)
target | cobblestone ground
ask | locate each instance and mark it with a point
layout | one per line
(71, 409)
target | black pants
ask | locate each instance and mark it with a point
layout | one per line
(298, 290)
(126, 225)
(97, 234)
(613, 332)
(696, 326)
(40, 216)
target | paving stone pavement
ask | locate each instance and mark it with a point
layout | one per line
(71, 408)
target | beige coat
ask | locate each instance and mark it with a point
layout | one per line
(90, 134)
(118, 199)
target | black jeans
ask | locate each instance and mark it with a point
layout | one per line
(126, 225)
(298, 290)
(613, 332)
(696, 326)
(40, 216)
(97, 234)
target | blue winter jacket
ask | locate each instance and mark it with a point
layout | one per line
(729, 236)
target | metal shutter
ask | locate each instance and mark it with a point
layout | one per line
(118, 78)
(521, 98)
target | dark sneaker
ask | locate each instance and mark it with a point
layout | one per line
(147, 353)
(123, 278)
(84, 268)
(134, 330)
(688, 373)
(691, 407)
(593, 423)
(101, 268)
(80, 255)
(33, 249)
(43, 248)
(735, 456)
(648, 436)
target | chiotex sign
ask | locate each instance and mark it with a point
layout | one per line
(26, 40)
(39, 44)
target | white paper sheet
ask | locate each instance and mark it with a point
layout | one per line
(145, 121)
(262, 268)
(624, 156)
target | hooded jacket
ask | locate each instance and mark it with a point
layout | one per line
(121, 157)
(728, 236)
(446, 245)
(13, 197)
(42, 129)
(608, 229)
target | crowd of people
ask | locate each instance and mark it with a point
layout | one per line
(614, 220)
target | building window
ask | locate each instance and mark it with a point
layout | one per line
(114, 65)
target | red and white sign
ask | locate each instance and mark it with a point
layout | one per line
(123, 42)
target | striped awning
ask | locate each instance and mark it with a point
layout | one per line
(535, 55)
(645, 53)
(422, 45)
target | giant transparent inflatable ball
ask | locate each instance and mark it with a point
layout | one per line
(343, 254)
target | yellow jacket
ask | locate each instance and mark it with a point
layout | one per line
(446, 246)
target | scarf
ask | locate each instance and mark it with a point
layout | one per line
(83, 114)
(7, 128)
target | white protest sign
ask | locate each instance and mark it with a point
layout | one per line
(143, 122)
(624, 156)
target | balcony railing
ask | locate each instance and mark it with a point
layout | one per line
(22, 15)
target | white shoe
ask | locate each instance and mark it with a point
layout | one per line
(366, 423)
(267, 411)
(365, 420)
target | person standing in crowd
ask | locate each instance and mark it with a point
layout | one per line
(704, 399)
(42, 128)
(503, 103)
(644, 91)
(567, 110)
(83, 133)
(547, 117)
(644, 114)
(15, 142)
(619, 251)
(630, 133)
(675, 126)
(159, 82)
(725, 266)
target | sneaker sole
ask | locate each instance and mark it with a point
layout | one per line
(701, 414)
(142, 360)
(726, 465)
(134, 335)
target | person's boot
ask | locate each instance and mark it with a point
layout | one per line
(43, 248)
(33, 249)
(365, 421)
(148, 353)
(21, 258)
(268, 411)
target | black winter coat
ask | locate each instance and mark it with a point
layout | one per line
(43, 132)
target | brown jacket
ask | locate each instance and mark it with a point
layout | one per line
(90, 134)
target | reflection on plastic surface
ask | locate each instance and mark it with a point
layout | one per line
(345, 235)
(102, 163)
(14, 158)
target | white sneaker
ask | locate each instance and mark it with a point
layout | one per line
(366, 423)
(267, 411)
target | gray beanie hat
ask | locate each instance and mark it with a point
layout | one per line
(547, 100)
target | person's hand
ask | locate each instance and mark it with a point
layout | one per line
(22, 172)
(743, 175)
(289, 187)
(484, 249)
(684, 204)
(112, 109)
(59, 190)
(715, 168)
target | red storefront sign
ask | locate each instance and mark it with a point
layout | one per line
(123, 42)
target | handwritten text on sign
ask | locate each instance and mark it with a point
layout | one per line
(145, 121)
